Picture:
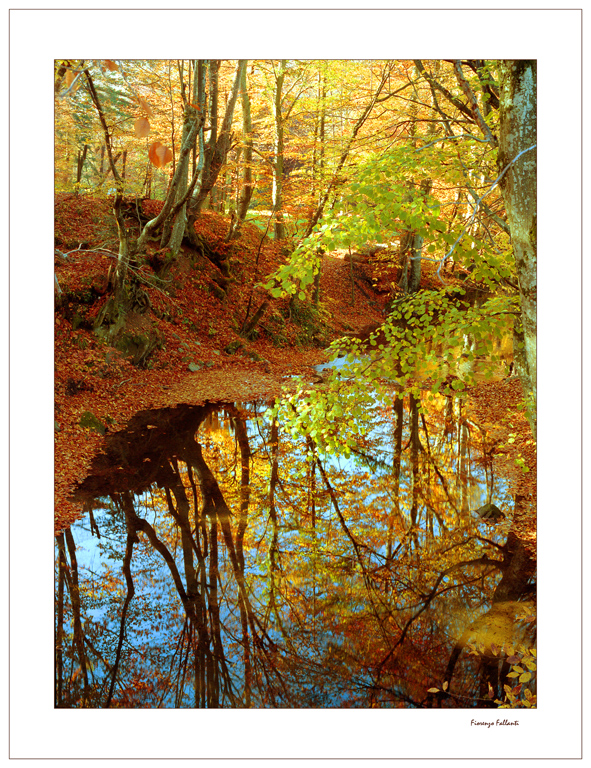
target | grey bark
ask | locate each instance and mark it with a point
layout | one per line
(218, 146)
(172, 202)
(518, 134)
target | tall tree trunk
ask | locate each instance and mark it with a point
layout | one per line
(173, 237)
(126, 250)
(517, 148)
(59, 629)
(278, 145)
(398, 408)
(247, 185)
(174, 200)
(317, 215)
(318, 162)
(217, 148)
(80, 167)
(320, 132)
(416, 247)
(174, 228)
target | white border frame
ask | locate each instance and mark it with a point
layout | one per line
(36, 38)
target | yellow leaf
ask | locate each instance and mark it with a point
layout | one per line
(141, 127)
(145, 106)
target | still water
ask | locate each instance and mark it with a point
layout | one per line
(223, 562)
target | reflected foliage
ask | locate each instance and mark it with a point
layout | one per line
(226, 562)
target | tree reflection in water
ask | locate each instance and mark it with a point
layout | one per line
(225, 563)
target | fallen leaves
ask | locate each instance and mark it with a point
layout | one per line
(196, 327)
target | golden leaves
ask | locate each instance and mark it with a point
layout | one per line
(159, 154)
(145, 106)
(141, 127)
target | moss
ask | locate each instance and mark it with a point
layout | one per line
(533, 232)
(314, 329)
(138, 346)
(89, 421)
(253, 355)
(233, 347)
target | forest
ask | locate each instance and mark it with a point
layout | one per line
(295, 383)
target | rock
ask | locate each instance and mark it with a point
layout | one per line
(195, 366)
(490, 513)
(254, 356)
(138, 346)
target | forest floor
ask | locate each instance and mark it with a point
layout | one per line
(201, 355)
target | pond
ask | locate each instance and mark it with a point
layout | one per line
(224, 562)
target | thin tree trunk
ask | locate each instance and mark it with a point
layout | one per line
(131, 539)
(396, 469)
(80, 167)
(277, 193)
(59, 631)
(71, 574)
(247, 184)
(125, 250)
(316, 216)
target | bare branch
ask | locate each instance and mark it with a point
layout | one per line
(471, 96)
(476, 206)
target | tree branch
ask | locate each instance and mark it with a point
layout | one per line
(476, 206)
(470, 95)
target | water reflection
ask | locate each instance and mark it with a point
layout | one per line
(225, 563)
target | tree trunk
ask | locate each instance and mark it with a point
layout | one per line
(317, 215)
(173, 238)
(217, 148)
(247, 185)
(80, 167)
(320, 132)
(278, 146)
(126, 250)
(517, 142)
(175, 199)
